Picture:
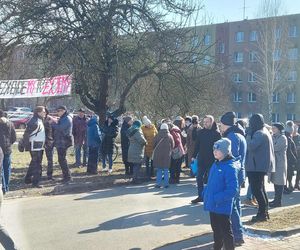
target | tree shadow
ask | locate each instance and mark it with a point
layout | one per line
(185, 215)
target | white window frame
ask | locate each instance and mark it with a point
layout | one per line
(252, 56)
(275, 97)
(277, 55)
(253, 36)
(237, 78)
(237, 97)
(252, 77)
(292, 98)
(293, 31)
(207, 40)
(275, 117)
(293, 53)
(221, 48)
(239, 36)
(238, 57)
(291, 117)
(251, 96)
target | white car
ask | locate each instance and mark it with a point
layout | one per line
(18, 110)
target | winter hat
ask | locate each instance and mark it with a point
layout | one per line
(195, 119)
(62, 107)
(289, 127)
(188, 118)
(223, 145)
(279, 125)
(81, 110)
(137, 124)
(164, 126)
(146, 121)
(127, 119)
(228, 118)
(178, 118)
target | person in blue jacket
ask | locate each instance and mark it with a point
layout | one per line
(93, 143)
(236, 134)
(220, 192)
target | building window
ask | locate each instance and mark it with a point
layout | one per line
(238, 57)
(275, 97)
(277, 76)
(221, 48)
(290, 98)
(275, 117)
(252, 77)
(277, 34)
(292, 75)
(251, 97)
(253, 56)
(207, 39)
(291, 117)
(237, 97)
(293, 31)
(293, 54)
(195, 41)
(253, 36)
(237, 78)
(206, 60)
(276, 54)
(239, 36)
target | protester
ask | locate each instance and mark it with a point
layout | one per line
(191, 138)
(93, 143)
(49, 143)
(127, 122)
(220, 192)
(34, 140)
(63, 140)
(184, 134)
(79, 132)
(110, 132)
(260, 161)
(177, 154)
(163, 145)
(137, 144)
(7, 138)
(279, 176)
(206, 138)
(291, 157)
(236, 134)
(296, 139)
(5, 240)
(149, 131)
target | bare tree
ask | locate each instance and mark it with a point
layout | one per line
(109, 46)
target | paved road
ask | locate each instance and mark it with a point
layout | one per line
(124, 217)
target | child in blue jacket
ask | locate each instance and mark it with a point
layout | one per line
(219, 194)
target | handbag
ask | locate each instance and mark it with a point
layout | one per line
(176, 153)
(156, 148)
(194, 167)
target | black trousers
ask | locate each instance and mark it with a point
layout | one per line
(278, 193)
(257, 184)
(35, 167)
(93, 160)
(62, 153)
(128, 168)
(221, 226)
(175, 168)
(49, 155)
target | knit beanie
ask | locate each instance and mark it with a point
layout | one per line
(289, 127)
(178, 118)
(279, 125)
(188, 118)
(146, 121)
(228, 118)
(164, 126)
(223, 145)
(137, 124)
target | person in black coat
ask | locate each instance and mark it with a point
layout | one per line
(206, 138)
(110, 132)
(127, 122)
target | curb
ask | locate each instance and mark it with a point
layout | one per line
(277, 233)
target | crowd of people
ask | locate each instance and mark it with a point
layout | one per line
(225, 154)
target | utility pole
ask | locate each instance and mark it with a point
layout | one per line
(244, 12)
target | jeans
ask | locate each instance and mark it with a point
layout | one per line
(62, 153)
(6, 171)
(110, 161)
(49, 154)
(221, 227)
(236, 215)
(5, 240)
(136, 170)
(159, 173)
(200, 180)
(257, 183)
(149, 166)
(93, 160)
(78, 154)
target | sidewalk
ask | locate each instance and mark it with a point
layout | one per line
(252, 242)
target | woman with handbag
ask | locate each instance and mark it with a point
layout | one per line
(176, 155)
(163, 144)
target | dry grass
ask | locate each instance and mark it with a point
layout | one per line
(283, 219)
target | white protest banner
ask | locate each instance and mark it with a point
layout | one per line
(54, 86)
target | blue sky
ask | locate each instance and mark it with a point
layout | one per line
(232, 10)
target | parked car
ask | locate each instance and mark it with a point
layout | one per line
(20, 120)
(18, 110)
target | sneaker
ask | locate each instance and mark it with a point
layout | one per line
(110, 171)
(197, 200)
(250, 203)
(274, 204)
(37, 186)
(259, 218)
(104, 169)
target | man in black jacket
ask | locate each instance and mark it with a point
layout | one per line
(206, 138)
(7, 138)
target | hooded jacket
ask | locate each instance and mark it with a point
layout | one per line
(124, 141)
(110, 132)
(7, 135)
(176, 134)
(149, 134)
(137, 144)
(63, 132)
(93, 133)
